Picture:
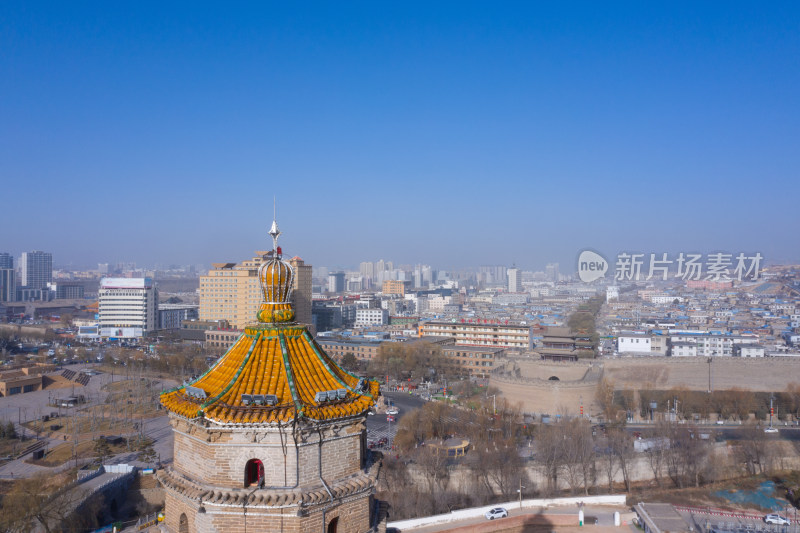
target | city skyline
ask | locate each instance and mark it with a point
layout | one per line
(454, 135)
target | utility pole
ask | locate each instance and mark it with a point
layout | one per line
(709, 375)
(520, 492)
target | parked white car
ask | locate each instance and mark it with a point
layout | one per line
(497, 512)
(777, 520)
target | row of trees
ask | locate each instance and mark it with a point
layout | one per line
(571, 455)
(417, 360)
(423, 482)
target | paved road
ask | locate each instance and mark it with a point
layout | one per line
(377, 425)
(604, 515)
(711, 521)
(728, 431)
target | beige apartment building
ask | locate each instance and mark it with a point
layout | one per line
(481, 333)
(231, 291)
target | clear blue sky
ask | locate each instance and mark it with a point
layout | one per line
(450, 133)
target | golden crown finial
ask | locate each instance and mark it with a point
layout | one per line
(276, 277)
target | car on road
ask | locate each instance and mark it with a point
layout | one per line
(497, 512)
(392, 411)
(777, 520)
(770, 430)
(390, 418)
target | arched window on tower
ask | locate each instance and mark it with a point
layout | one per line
(183, 524)
(254, 473)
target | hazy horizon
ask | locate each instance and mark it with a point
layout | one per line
(447, 134)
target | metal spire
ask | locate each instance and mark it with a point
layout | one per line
(274, 232)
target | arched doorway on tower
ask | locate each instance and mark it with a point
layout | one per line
(333, 524)
(254, 473)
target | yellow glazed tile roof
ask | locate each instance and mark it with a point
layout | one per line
(279, 359)
(275, 357)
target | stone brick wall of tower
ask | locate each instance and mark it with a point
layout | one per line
(353, 517)
(222, 461)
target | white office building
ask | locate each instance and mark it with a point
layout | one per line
(633, 343)
(128, 308)
(372, 317)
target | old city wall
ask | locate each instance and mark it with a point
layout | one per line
(528, 381)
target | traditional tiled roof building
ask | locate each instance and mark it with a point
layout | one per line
(273, 436)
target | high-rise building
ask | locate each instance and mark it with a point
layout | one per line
(8, 285)
(336, 282)
(367, 269)
(230, 291)
(301, 290)
(8, 279)
(128, 307)
(551, 272)
(514, 280)
(272, 437)
(493, 274)
(37, 269)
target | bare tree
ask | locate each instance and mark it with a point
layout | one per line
(549, 451)
(578, 455)
(505, 467)
(620, 446)
(657, 449)
(433, 464)
(755, 450)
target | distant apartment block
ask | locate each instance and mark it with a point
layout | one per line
(362, 349)
(475, 361)
(172, 316)
(8, 285)
(394, 287)
(514, 280)
(709, 284)
(481, 333)
(36, 269)
(221, 339)
(69, 291)
(336, 282)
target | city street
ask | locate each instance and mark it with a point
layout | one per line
(377, 425)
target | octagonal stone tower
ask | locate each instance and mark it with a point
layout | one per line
(273, 436)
